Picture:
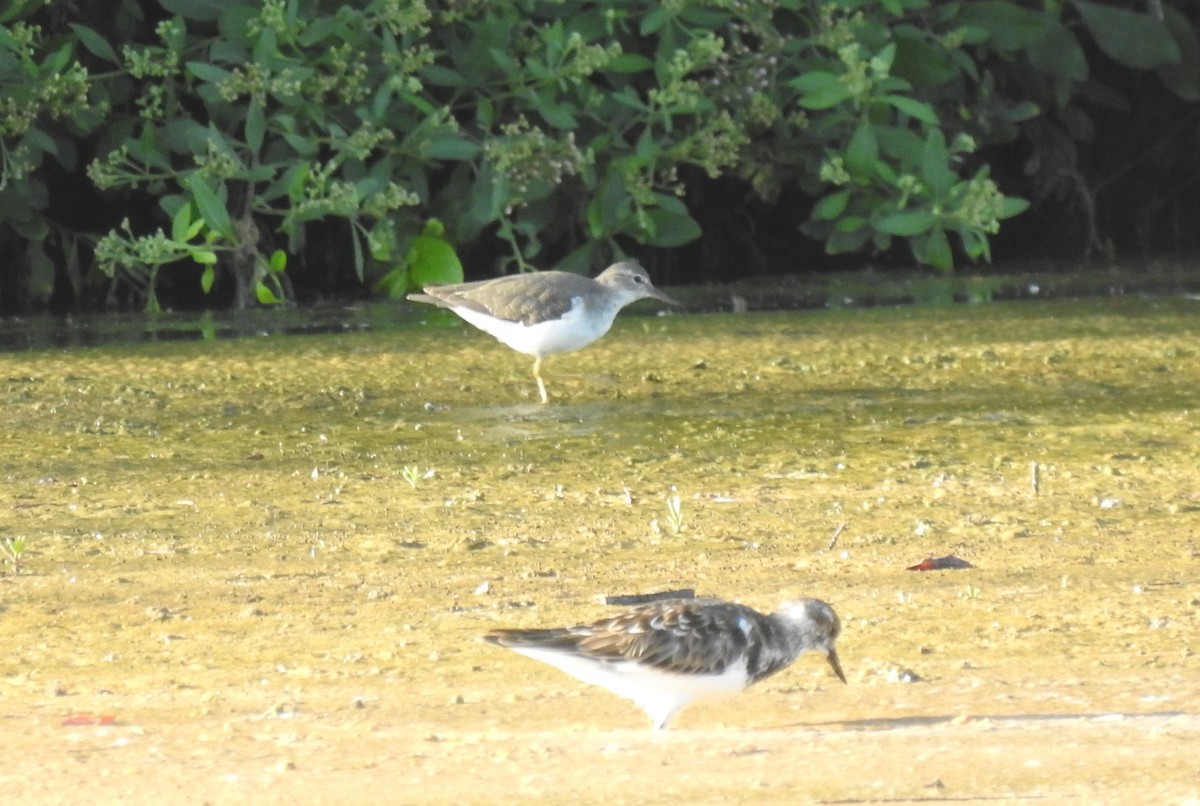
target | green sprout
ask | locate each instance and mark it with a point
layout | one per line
(13, 549)
(675, 514)
(412, 474)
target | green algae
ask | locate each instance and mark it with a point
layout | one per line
(221, 527)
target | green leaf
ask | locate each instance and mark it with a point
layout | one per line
(302, 145)
(487, 196)
(265, 295)
(594, 216)
(1059, 53)
(862, 152)
(920, 63)
(11, 12)
(451, 147)
(236, 23)
(381, 240)
(95, 43)
(1010, 27)
(973, 35)
(1131, 38)
(934, 250)
(179, 135)
(205, 257)
(180, 223)
(851, 223)
(440, 76)
(208, 72)
(31, 229)
(656, 19)
(841, 242)
(935, 164)
(40, 140)
(628, 96)
(485, 112)
(394, 284)
(672, 229)
(1011, 206)
(193, 229)
(672, 204)
(913, 108)
(211, 208)
(558, 115)
(630, 63)
(357, 251)
(278, 261)
(696, 15)
(819, 89)
(265, 49)
(974, 243)
(504, 61)
(539, 71)
(203, 10)
(832, 206)
(887, 55)
(901, 144)
(225, 52)
(611, 205)
(647, 146)
(59, 59)
(906, 222)
(581, 259)
(40, 279)
(207, 278)
(1182, 78)
(256, 125)
(431, 259)
(1021, 111)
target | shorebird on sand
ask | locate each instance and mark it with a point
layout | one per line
(664, 655)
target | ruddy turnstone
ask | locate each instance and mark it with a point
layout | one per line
(663, 655)
(548, 312)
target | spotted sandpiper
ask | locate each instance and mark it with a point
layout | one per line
(546, 312)
(666, 654)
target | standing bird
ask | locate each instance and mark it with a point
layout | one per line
(547, 312)
(663, 655)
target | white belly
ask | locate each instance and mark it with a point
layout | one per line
(573, 332)
(660, 693)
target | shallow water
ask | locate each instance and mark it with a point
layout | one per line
(317, 526)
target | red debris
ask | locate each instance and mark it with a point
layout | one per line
(940, 563)
(89, 719)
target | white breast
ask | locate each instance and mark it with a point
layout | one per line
(572, 332)
(658, 692)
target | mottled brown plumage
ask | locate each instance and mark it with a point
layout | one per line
(663, 655)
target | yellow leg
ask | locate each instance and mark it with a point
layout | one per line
(537, 373)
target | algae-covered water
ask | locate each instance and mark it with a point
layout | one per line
(254, 569)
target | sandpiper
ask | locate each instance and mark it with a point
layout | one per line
(666, 654)
(546, 312)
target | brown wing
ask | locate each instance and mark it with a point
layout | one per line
(682, 636)
(524, 298)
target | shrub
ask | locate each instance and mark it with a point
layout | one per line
(229, 135)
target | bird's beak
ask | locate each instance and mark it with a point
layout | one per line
(832, 657)
(665, 297)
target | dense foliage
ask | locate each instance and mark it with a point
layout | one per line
(248, 149)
